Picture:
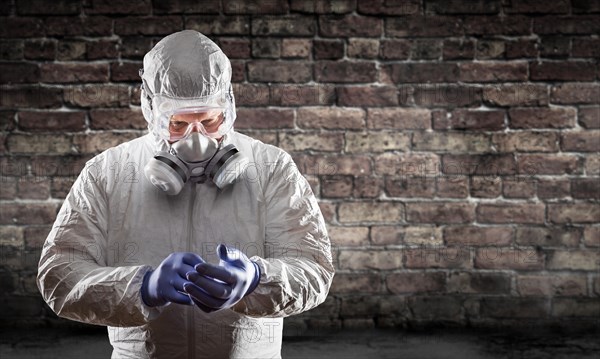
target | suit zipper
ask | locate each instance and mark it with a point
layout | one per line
(190, 316)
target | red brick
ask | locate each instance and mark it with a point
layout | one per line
(306, 141)
(350, 26)
(370, 259)
(60, 187)
(463, 7)
(97, 95)
(125, 71)
(9, 189)
(284, 26)
(331, 118)
(492, 71)
(112, 119)
(70, 72)
(508, 258)
(394, 235)
(302, 95)
(95, 143)
(438, 257)
(367, 142)
(511, 213)
(482, 165)
(591, 236)
(548, 236)
(328, 49)
(516, 95)
(588, 141)
(497, 25)
(575, 25)
(446, 95)
(395, 49)
(40, 7)
(562, 71)
(187, 7)
(348, 236)
(556, 285)
(426, 49)
(255, 7)
(521, 48)
(21, 27)
(260, 118)
(518, 188)
(478, 236)
(370, 212)
(451, 142)
(418, 282)
(576, 307)
(70, 50)
(585, 47)
(440, 212)
(589, 117)
(423, 26)
(555, 47)
(383, 7)
(575, 93)
(7, 121)
(40, 49)
(330, 71)
(537, 7)
(574, 260)
(367, 187)
(452, 187)
(319, 165)
(328, 210)
(128, 8)
(30, 213)
(19, 72)
(514, 308)
(363, 48)
(410, 187)
(102, 49)
(478, 283)
(163, 25)
(134, 47)
(398, 118)
(251, 94)
(485, 187)
(553, 188)
(276, 71)
(459, 49)
(585, 188)
(266, 48)
(407, 164)
(11, 50)
(52, 121)
(296, 48)
(323, 7)
(374, 96)
(544, 164)
(526, 141)
(235, 48)
(540, 117)
(492, 49)
(433, 308)
(574, 212)
(592, 164)
(78, 26)
(219, 25)
(31, 96)
(356, 283)
(34, 188)
(471, 120)
(424, 72)
(23, 143)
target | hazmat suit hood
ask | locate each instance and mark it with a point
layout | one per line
(185, 70)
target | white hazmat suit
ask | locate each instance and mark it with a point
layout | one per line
(115, 226)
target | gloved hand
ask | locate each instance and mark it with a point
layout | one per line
(165, 283)
(213, 287)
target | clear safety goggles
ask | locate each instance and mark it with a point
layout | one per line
(205, 120)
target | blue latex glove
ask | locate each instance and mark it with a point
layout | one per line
(222, 286)
(165, 283)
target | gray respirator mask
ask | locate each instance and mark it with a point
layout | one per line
(198, 159)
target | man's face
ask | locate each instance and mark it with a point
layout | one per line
(207, 123)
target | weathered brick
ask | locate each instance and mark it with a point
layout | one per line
(365, 142)
(330, 118)
(463, 7)
(407, 164)
(497, 25)
(585, 47)
(585, 188)
(21, 27)
(44, 49)
(302, 95)
(412, 235)
(417, 282)
(440, 212)
(33, 188)
(101, 49)
(573, 260)
(19, 72)
(509, 258)
(350, 26)
(363, 48)
(12, 236)
(374, 96)
(367, 187)
(61, 186)
(423, 26)
(356, 283)
(219, 25)
(576, 307)
(514, 308)
(71, 50)
(511, 213)
(40, 7)
(575, 93)
(319, 165)
(592, 164)
(491, 49)
(128, 8)
(30, 213)
(78, 26)
(70, 72)
(526, 141)
(447, 95)
(518, 188)
(134, 47)
(543, 164)
(261, 118)
(395, 49)
(255, 7)
(348, 236)
(251, 94)
(452, 186)
(516, 95)
(187, 7)
(591, 236)
(235, 48)
(492, 71)
(426, 49)
(395, 118)
(328, 49)
(555, 46)
(446, 257)
(125, 71)
(311, 141)
(35, 96)
(330, 71)
(555, 285)
(485, 187)
(51, 121)
(383, 7)
(97, 95)
(566, 25)
(9, 186)
(581, 141)
(111, 119)
(296, 48)
(358, 306)
(23, 143)
(266, 48)
(574, 212)
(438, 308)
(478, 236)
(553, 188)
(98, 142)
(410, 187)
(462, 119)
(458, 49)
(589, 117)
(540, 117)
(328, 211)
(163, 25)
(369, 259)
(521, 48)
(478, 283)
(7, 121)
(482, 165)
(323, 7)
(585, 6)
(377, 212)
(562, 71)
(548, 236)
(284, 26)
(275, 71)
(11, 50)
(424, 72)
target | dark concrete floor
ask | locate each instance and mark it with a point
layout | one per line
(371, 344)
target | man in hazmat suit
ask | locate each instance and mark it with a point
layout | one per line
(204, 253)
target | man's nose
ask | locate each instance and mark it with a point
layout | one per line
(196, 126)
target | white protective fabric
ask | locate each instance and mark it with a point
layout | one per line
(115, 226)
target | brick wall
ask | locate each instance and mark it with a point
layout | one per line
(454, 145)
